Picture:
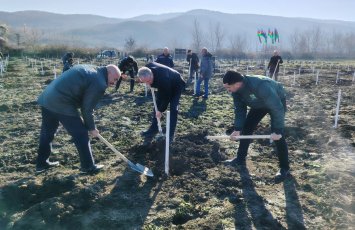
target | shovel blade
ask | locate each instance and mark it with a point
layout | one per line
(146, 171)
(141, 169)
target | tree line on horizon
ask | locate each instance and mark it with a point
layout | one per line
(304, 44)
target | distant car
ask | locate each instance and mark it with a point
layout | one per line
(107, 54)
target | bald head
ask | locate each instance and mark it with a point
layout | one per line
(166, 51)
(113, 74)
(145, 75)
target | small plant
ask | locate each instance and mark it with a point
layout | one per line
(183, 213)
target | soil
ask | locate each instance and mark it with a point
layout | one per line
(201, 192)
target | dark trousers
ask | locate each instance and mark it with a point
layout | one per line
(174, 107)
(271, 73)
(253, 118)
(74, 126)
(118, 83)
(193, 73)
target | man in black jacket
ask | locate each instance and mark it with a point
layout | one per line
(274, 65)
(170, 86)
(68, 61)
(193, 61)
(165, 58)
(127, 64)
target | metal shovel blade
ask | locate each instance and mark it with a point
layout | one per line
(141, 169)
(146, 171)
(136, 167)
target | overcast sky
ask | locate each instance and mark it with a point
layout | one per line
(320, 9)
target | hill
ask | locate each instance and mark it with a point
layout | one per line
(172, 29)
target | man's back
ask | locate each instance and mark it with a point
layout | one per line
(80, 87)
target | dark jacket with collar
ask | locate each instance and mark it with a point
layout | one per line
(168, 82)
(165, 60)
(259, 92)
(193, 61)
(273, 63)
(80, 87)
(128, 64)
(206, 66)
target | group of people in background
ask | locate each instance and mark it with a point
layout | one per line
(80, 87)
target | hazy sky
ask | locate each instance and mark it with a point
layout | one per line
(320, 9)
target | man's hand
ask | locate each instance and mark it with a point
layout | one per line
(275, 137)
(158, 115)
(124, 76)
(234, 135)
(94, 133)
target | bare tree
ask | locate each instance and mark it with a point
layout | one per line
(294, 41)
(3, 34)
(216, 36)
(211, 38)
(33, 36)
(349, 44)
(3, 30)
(316, 40)
(336, 39)
(130, 44)
(237, 43)
(219, 36)
(196, 36)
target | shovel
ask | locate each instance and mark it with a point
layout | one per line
(222, 137)
(160, 135)
(136, 167)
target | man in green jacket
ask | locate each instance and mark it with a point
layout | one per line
(264, 96)
(79, 88)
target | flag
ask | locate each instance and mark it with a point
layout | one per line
(259, 35)
(276, 34)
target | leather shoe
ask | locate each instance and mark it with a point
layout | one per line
(93, 170)
(47, 165)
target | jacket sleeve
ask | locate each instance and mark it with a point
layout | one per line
(163, 98)
(240, 112)
(188, 58)
(272, 101)
(121, 66)
(90, 99)
(171, 63)
(135, 67)
(281, 61)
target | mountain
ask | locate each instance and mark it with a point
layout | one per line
(172, 30)
(51, 21)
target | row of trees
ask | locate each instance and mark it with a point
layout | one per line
(306, 44)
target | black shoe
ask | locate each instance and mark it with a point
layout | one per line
(149, 133)
(46, 166)
(236, 162)
(281, 175)
(93, 170)
(147, 142)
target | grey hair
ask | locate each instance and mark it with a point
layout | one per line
(145, 72)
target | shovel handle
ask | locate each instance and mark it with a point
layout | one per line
(113, 148)
(221, 137)
(156, 109)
